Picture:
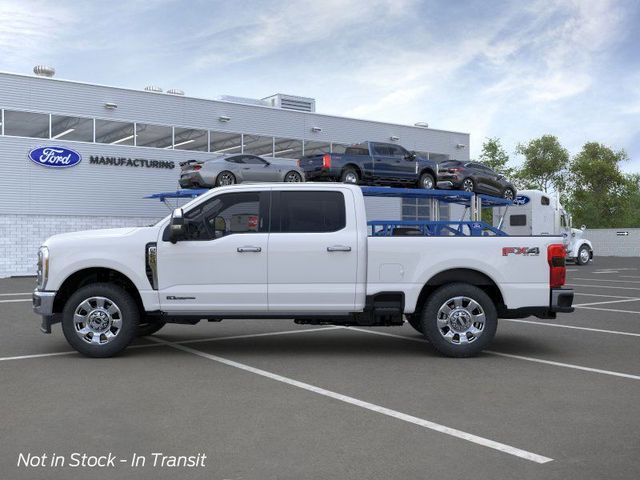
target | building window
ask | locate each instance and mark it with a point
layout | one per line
(26, 124)
(190, 139)
(157, 136)
(225, 143)
(71, 128)
(257, 145)
(287, 148)
(316, 148)
(115, 133)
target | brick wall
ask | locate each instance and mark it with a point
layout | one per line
(22, 235)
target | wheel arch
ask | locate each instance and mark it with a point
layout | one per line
(430, 171)
(354, 166)
(461, 275)
(87, 276)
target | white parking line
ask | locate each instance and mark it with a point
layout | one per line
(609, 301)
(14, 294)
(198, 340)
(16, 300)
(469, 437)
(545, 324)
(606, 280)
(603, 286)
(600, 295)
(519, 357)
(610, 310)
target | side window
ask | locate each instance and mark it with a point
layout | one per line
(252, 160)
(382, 150)
(397, 151)
(544, 200)
(238, 159)
(518, 220)
(311, 212)
(225, 215)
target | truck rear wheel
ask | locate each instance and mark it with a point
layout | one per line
(350, 175)
(100, 320)
(459, 320)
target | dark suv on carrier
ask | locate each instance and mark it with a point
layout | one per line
(474, 177)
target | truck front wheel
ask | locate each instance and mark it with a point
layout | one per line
(459, 320)
(100, 320)
(583, 255)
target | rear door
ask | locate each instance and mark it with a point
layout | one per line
(383, 161)
(313, 251)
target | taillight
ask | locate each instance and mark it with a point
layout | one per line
(326, 161)
(557, 269)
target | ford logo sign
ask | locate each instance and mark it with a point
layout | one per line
(521, 200)
(55, 157)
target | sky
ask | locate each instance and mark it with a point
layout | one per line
(509, 69)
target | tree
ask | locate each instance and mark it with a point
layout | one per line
(545, 163)
(495, 157)
(600, 194)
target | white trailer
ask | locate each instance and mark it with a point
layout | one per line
(535, 212)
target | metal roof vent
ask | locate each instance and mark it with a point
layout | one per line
(153, 88)
(175, 91)
(292, 102)
(44, 71)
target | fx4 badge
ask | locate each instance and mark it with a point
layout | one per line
(526, 251)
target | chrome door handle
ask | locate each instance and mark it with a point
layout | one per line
(249, 249)
(339, 248)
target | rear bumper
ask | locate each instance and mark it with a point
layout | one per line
(43, 305)
(190, 180)
(560, 301)
(320, 173)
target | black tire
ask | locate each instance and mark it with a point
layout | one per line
(579, 258)
(149, 328)
(468, 185)
(427, 182)
(289, 177)
(349, 173)
(475, 344)
(508, 193)
(415, 320)
(129, 318)
(222, 176)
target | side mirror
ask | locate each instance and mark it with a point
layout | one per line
(583, 228)
(176, 225)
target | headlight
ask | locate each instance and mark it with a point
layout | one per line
(43, 267)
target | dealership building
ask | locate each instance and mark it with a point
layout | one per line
(127, 144)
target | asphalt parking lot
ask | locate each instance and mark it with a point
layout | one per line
(274, 400)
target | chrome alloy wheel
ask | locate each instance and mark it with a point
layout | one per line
(508, 194)
(584, 255)
(467, 185)
(461, 320)
(351, 177)
(293, 177)
(427, 182)
(97, 320)
(226, 178)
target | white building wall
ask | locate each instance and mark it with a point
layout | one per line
(613, 241)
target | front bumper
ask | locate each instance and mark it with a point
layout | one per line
(560, 301)
(43, 305)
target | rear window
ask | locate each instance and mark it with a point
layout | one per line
(356, 151)
(518, 220)
(312, 212)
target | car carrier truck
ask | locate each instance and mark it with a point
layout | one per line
(535, 212)
(299, 251)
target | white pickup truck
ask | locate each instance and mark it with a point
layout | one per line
(297, 251)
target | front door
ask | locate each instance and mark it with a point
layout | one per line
(313, 252)
(220, 264)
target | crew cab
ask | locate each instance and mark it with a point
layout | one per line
(372, 163)
(303, 251)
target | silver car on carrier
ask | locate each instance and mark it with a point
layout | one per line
(238, 168)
